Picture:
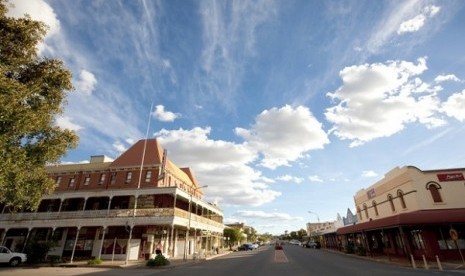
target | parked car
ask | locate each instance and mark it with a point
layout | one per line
(312, 244)
(13, 258)
(245, 247)
(278, 246)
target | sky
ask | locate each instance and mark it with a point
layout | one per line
(285, 109)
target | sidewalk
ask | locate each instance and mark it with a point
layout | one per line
(142, 263)
(419, 264)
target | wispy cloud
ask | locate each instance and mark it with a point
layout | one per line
(290, 178)
(416, 23)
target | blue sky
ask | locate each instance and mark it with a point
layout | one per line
(280, 107)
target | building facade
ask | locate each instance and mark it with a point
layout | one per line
(130, 208)
(410, 213)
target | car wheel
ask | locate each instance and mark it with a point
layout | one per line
(15, 262)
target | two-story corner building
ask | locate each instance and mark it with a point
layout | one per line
(130, 208)
(411, 212)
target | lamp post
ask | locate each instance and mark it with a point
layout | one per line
(189, 221)
(318, 218)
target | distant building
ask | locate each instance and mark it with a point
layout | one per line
(410, 212)
(130, 208)
(350, 218)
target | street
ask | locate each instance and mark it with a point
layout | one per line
(292, 261)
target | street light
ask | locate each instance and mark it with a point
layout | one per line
(189, 222)
(318, 218)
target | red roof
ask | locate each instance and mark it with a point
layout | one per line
(437, 216)
(133, 156)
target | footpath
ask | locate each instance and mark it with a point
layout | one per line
(142, 263)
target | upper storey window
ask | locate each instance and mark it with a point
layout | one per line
(86, 180)
(71, 182)
(148, 176)
(391, 202)
(433, 188)
(400, 195)
(58, 180)
(102, 179)
(128, 177)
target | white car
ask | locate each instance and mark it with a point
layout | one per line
(10, 257)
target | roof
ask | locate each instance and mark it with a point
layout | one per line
(133, 156)
(436, 216)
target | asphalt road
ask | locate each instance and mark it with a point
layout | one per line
(265, 261)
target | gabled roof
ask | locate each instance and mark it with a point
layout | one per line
(133, 156)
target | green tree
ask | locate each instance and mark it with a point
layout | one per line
(234, 235)
(32, 92)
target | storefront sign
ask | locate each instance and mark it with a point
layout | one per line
(450, 176)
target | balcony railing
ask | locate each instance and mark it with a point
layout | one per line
(114, 213)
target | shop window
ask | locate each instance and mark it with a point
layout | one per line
(375, 207)
(400, 195)
(417, 239)
(391, 202)
(434, 190)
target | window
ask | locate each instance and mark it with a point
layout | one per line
(375, 208)
(148, 176)
(391, 202)
(128, 177)
(400, 195)
(71, 182)
(359, 212)
(113, 178)
(58, 180)
(366, 210)
(86, 180)
(102, 179)
(417, 239)
(434, 190)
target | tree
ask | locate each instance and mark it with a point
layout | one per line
(234, 235)
(32, 92)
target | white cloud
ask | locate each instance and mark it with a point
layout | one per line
(164, 116)
(38, 10)
(412, 25)
(119, 147)
(417, 22)
(450, 77)
(369, 174)
(65, 123)
(378, 100)
(223, 166)
(86, 82)
(289, 178)
(267, 215)
(315, 178)
(455, 106)
(284, 135)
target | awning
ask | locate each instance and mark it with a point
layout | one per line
(437, 216)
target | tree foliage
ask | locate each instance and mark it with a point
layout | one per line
(234, 235)
(32, 92)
